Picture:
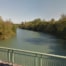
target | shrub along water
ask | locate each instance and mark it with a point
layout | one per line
(55, 27)
(7, 29)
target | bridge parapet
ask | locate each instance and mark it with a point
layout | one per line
(31, 58)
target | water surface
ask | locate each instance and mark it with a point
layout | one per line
(36, 41)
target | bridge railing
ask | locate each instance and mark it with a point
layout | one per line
(31, 58)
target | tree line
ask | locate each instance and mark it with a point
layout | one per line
(54, 27)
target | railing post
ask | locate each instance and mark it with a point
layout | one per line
(40, 60)
(35, 60)
(8, 55)
(12, 57)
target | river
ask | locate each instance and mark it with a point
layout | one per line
(36, 41)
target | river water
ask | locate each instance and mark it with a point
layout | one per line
(36, 41)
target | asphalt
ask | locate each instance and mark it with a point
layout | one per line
(2, 63)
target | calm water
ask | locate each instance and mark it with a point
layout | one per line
(36, 41)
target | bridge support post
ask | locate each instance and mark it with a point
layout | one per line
(40, 60)
(12, 57)
(35, 60)
(8, 55)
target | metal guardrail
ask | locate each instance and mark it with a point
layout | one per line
(31, 58)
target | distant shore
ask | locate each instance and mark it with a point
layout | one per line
(53, 27)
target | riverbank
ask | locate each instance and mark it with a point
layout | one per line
(53, 27)
(7, 29)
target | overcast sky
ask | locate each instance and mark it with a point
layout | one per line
(25, 10)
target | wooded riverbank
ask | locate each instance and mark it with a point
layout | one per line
(54, 27)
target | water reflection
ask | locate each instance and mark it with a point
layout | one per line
(36, 41)
(58, 46)
(63, 44)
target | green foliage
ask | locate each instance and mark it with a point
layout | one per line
(7, 29)
(54, 27)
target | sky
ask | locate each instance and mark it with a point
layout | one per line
(25, 10)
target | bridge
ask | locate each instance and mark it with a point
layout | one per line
(31, 58)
